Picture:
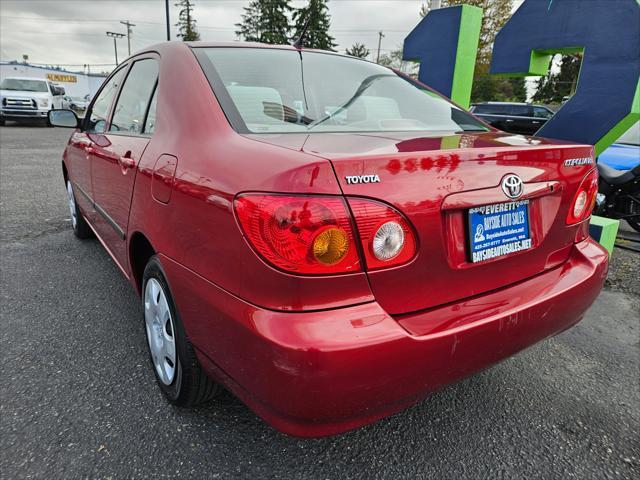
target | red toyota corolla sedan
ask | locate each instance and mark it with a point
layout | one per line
(325, 237)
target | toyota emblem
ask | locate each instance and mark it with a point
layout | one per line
(512, 186)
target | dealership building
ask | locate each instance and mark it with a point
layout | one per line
(76, 84)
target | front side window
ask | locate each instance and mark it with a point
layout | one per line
(279, 91)
(542, 112)
(100, 109)
(24, 85)
(131, 107)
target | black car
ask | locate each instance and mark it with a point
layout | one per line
(522, 118)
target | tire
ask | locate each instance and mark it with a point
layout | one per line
(178, 373)
(79, 225)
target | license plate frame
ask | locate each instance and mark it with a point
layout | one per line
(498, 230)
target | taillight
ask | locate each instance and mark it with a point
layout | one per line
(386, 236)
(300, 234)
(584, 199)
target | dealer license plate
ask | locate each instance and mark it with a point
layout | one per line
(498, 230)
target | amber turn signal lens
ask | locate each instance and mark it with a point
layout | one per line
(331, 245)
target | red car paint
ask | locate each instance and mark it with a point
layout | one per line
(318, 355)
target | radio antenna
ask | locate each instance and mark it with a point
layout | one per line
(300, 40)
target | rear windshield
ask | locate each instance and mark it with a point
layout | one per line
(279, 91)
(24, 85)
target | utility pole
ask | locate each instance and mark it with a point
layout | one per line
(166, 11)
(380, 36)
(115, 46)
(434, 4)
(129, 25)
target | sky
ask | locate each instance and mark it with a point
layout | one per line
(71, 33)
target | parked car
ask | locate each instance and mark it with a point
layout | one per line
(77, 104)
(28, 99)
(522, 118)
(330, 248)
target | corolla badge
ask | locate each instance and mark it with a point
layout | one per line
(577, 162)
(362, 179)
(512, 186)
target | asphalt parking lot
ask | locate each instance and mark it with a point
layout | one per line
(78, 398)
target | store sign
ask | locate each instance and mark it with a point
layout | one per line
(58, 77)
(606, 32)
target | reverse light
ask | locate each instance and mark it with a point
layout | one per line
(387, 238)
(388, 241)
(584, 199)
(300, 234)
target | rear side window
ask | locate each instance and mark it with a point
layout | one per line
(490, 109)
(132, 104)
(100, 109)
(519, 110)
(150, 122)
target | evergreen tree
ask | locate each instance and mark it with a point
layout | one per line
(186, 22)
(358, 50)
(249, 28)
(555, 86)
(265, 21)
(317, 35)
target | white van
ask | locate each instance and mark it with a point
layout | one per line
(27, 99)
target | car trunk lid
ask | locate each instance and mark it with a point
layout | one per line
(434, 181)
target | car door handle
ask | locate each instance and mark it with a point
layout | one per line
(535, 121)
(126, 161)
(509, 120)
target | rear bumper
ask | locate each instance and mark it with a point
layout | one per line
(322, 373)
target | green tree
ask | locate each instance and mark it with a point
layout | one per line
(317, 35)
(358, 50)
(186, 22)
(249, 29)
(555, 86)
(265, 21)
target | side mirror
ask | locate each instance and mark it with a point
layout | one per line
(63, 118)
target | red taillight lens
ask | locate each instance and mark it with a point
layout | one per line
(300, 234)
(386, 236)
(584, 199)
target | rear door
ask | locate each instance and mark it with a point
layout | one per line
(521, 117)
(118, 151)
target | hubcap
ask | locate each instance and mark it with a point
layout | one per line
(72, 204)
(160, 331)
